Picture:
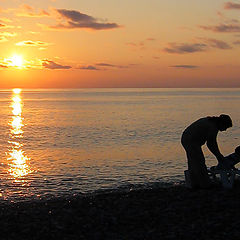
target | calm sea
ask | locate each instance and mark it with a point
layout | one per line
(64, 142)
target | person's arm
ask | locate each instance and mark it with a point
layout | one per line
(213, 147)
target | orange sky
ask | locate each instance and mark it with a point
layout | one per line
(127, 43)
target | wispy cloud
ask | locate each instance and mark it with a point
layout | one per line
(52, 65)
(135, 44)
(8, 34)
(33, 43)
(4, 19)
(231, 5)
(34, 33)
(184, 48)
(3, 25)
(105, 65)
(3, 39)
(227, 25)
(3, 66)
(236, 42)
(151, 39)
(101, 66)
(185, 66)
(5, 35)
(28, 11)
(141, 45)
(217, 43)
(89, 67)
(225, 28)
(204, 44)
(72, 19)
(110, 65)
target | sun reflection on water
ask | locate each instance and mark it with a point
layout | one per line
(18, 162)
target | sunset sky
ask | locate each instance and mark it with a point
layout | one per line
(113, 43)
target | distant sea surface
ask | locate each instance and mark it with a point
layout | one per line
(58, 142)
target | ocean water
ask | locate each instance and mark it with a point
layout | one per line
(57, 142)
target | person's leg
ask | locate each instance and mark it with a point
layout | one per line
(197, 167)
(193, 179)
(190, 181)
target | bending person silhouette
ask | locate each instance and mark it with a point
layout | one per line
(203, 131)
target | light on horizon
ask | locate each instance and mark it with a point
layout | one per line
(17, 90)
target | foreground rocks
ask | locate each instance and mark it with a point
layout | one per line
(159, 213)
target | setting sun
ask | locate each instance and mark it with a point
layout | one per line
(17, 90)
(16, 61)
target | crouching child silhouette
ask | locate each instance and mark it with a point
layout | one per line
(229, 161)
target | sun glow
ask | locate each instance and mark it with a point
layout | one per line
(17, 90)
(16, 61)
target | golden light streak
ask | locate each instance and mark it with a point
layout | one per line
(17, 160)
(16, 125)
(18, 166)
(16, 105)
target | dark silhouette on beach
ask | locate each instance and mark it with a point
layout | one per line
(203, 131)
(230, 161)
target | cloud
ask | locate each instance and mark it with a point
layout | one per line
(151, 39)
(236, 42)
(220, 14)
(204, 45)
(3, 39)
(3, 25)
(185, 48)
(185, 66)
(5, 35)
(72, 19)
(89, 67)
(28, 11)
(52, 65)
(101, 66)
(136, 45)
(218, 44)
(3, 66)
(226, 28)
(34, 33)
(8, 34)
(105, 65)
(4, 19)
(139, 44)
(231, 5)
(110, 65)
(32, 43)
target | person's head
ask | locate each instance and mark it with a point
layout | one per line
(237, 150)
(224, 122)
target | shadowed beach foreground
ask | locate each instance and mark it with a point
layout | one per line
(158, 213)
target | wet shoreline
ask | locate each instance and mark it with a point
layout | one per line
(158, 213)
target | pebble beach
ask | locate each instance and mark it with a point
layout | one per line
(173, 212)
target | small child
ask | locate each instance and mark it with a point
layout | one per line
(230, 161)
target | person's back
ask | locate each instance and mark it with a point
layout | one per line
(201, 130)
